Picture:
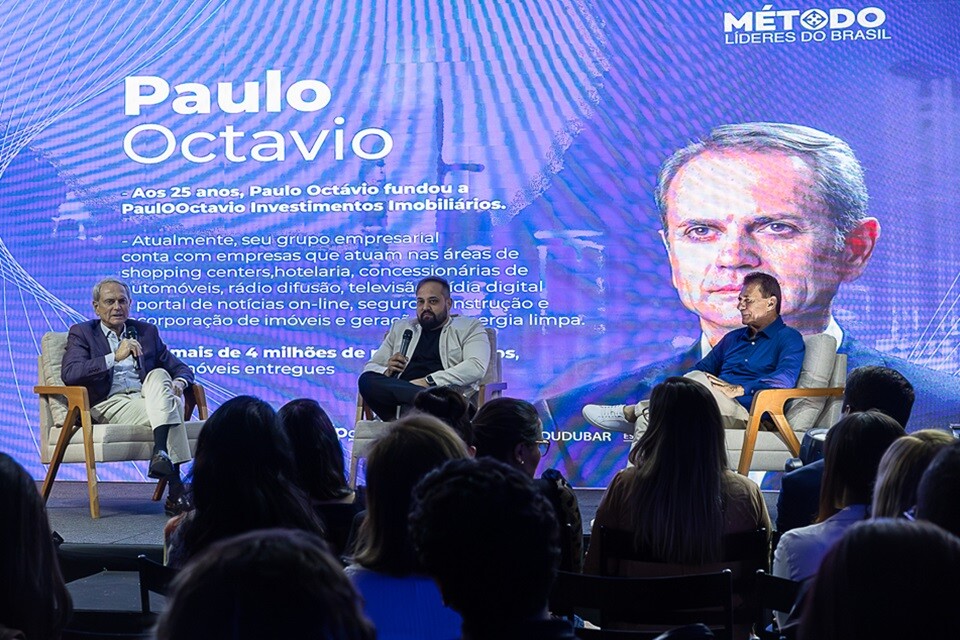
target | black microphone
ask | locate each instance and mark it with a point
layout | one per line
(131, 333)
(404, 346)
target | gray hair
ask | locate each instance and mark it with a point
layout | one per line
(838, 176)
(108, 280)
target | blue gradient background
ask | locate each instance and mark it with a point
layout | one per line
(570, 106)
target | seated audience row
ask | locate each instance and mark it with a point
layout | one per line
(871, 387)
(451, 546)
(510, 430)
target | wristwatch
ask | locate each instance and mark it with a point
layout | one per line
(431, 381)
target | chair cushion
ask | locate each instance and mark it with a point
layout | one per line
(364, 433)
(52, 346)
(817, 369)
(117, 442)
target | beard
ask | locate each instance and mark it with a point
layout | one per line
(429, 321)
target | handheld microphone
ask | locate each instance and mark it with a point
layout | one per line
(131, 333)
(405, 341)
(404, 345)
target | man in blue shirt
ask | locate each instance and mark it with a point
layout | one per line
(765, 354)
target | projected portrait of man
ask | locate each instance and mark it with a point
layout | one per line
(784, 199)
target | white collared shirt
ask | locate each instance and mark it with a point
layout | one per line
(125, 376)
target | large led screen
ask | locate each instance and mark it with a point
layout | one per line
(272, 178)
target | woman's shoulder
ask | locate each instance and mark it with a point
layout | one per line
(734, 483)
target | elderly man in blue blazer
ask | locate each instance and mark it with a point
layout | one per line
(132, 378)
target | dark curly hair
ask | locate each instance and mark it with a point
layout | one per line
(449, 405)
(489, 538)
(274, 583)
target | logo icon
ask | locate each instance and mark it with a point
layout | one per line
(814, 19)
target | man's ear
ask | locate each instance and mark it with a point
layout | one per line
(858, 247)
(518, 452)
(663, 238)
(666, 245)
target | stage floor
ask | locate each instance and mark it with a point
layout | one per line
(128, 516)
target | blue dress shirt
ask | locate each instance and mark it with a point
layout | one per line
(771, 359)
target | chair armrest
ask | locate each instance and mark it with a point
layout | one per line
(773, 402)
(76, 396)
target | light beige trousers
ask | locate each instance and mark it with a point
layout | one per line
(733, 414)
(156, 404)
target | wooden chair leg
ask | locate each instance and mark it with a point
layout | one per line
(66, 433)
(749, 444)
(354, 464)
(158, 492)
(789, 437)
(86, 424)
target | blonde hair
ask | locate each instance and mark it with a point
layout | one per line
(408, 449)
(901, 468)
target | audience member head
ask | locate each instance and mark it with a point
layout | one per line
(510, 431)
(680, 459)
(317, 452)
(449, 405)
(243, 477)
(33, 598)
(938, 496)
(851, 456)
(900, 469)
(411, 447)
(885, 579)
(879, 388)
(682, 412)
(490, 539)
(272, 583)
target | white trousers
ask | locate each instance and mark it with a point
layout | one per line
(155, 405)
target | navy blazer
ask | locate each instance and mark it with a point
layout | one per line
(85, 364)
(799, 499)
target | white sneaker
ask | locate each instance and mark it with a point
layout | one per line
(608, 417)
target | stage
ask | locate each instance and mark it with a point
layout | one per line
(129, 517)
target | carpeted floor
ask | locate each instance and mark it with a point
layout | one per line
(127, 514)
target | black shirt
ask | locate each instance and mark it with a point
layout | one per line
(426, 357)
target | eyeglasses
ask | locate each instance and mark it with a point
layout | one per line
(543, 445)
(911, 514)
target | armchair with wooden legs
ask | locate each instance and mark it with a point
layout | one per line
(65, 410)
(816, 402)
